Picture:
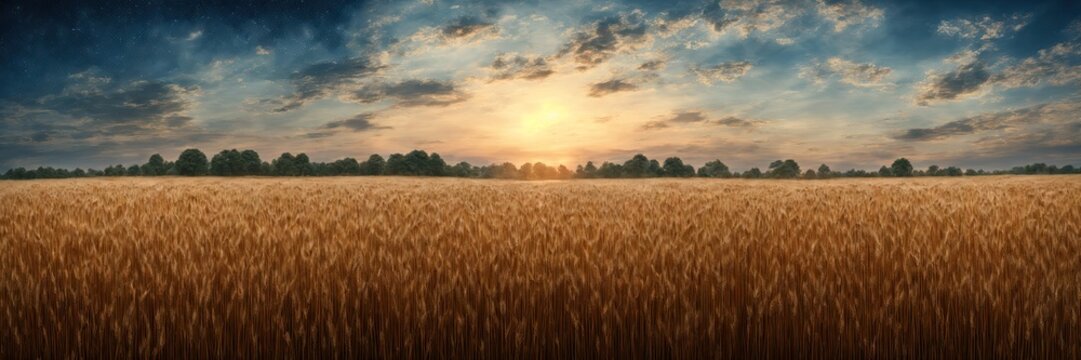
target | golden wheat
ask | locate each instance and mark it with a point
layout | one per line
(406, 267)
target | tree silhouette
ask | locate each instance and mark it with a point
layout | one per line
(191, 162)
(901, 167)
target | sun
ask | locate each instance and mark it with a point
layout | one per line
(537, 121)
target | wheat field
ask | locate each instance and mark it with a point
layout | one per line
(413, 267)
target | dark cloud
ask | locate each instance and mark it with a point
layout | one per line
(514, 66)
(652, 65)
(1057, 65)
(687, 117)
(964, 80)
(654, 125)
(43, 41)
(611, 86)
(145, 102)
(411, 93)
(360, 122)
(91, 106)
(1047, 113)
(602, 39)
(321, 79)
(694, 117)
(732, 121)
(467, 26)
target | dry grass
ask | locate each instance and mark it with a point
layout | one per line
(406, 267)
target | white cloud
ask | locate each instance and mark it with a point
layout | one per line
(723, 72)
(845, 14)
(860, 75)
(983, 28)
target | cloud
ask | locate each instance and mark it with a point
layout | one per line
(611, 86)
(964, 81)
(653, 65)
(143, 102)
(983, 28)
(410, 93)
(1057, 65)
(654, 125)
(92, 106)
(724, 72)
(515, 66)
(322, 79)
(848, 13)
(259, 50)
(700, 117)
(468, 28)
(860, 75)
(360, 122)
(1046, 113)
(602, 39)
(687, 117)
(667, 24)
(194, 35)
(732, 121)
(746, 17)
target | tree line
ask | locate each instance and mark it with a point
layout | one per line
(193, 162)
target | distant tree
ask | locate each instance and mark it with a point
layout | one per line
(250, 164)
(753, 173)
(609, 170)
(1068, 169)
(304, 165)
(786, 169)
(655, 169)
(587, 172)
(885, 171)
(971, 172)
(674, 167)
(507, 171)
(373, 166)
(542, 171)
(347, 166)
(191, 162)
(933, 171)
(227, 163)
(810, 174)
(824, 172)
(155, 166)
(714, 169)
(637, 167)
(901, 167)
(461, 169)
(134, 170)
(564, 172)
(525, 172)
(285, 165)
(436, 166)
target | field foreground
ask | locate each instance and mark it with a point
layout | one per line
(407, 267)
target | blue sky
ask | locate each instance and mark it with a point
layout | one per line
(851, 84)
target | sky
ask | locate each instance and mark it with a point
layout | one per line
(852, 84)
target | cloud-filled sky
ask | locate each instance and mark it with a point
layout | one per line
(854, 84)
